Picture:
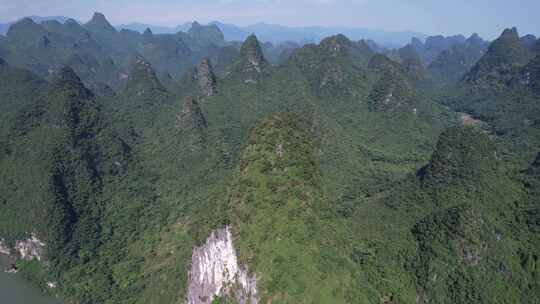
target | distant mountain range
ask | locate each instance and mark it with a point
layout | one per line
(268, 32)
(278, 33)
(37, 19)
(156, 29)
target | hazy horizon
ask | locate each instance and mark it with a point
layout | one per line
(486, 17)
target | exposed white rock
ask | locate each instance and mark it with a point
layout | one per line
(388, 98)
(4, 249)
(279, 150)
(12, 270)
(30, 249)
(215, 272)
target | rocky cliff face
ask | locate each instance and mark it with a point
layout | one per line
(31, 248)
(4, 249)
(252, 55)
(215, 272)
(206, 78)
(28, 249)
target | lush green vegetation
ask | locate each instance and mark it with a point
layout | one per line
(365, 188)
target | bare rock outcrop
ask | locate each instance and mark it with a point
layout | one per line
(99, 23)
(215, 272)
(206, 78)
(4, 249)
(28, 249)
(31, 248)
(191, 116)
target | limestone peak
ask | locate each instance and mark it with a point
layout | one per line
(142, 78)
(510, 34)
(462, 154)
(252, 53)
(335, 45)
(206, 78)
(99, 23)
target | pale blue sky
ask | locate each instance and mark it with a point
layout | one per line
(487, 17)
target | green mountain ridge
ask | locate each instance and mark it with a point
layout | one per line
(100, 54)
(504, 56)
(346, 176)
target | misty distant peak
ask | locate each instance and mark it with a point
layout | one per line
(25, 22)
(417, 43)
(382, 63)
(54, 23)
(71, 22)
(209, 33)
(510, 34)
(26, 32)
(528, 41)
(440, 42)
(475, 38)
(336, 39)
(251, 40)
(99, 18)
(335, 45)
(100, 23)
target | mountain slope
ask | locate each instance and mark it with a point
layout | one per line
(334, 176)
(45, 48)
(69, 150)
(453, 63)
(472, 230)
(102, 55)
(282, 222)
(501, 61)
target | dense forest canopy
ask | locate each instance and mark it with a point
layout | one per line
(348, 172)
